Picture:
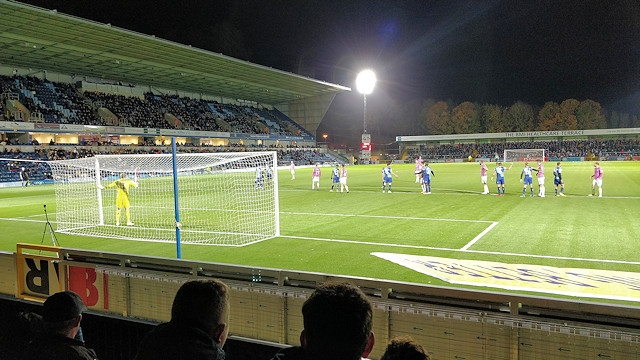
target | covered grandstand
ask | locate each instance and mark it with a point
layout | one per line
(63, 48)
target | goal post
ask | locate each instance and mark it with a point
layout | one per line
(521, 155)
(224, 198)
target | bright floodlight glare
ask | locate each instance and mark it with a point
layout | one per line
(365, 82)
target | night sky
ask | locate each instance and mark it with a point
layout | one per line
(494, 52)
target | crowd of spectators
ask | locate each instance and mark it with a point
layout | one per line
(302, 156)
(12, 159)
(337, 324)
(129, 110)
(191, 114)
(54, 102)
(555, 149)
(32, 162)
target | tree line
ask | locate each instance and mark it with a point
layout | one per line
(431, 117)
(443, 118)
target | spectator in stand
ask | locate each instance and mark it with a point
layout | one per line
(18, 331)
(404, 348)
(338, 322)
(198, 328)
(62, 314)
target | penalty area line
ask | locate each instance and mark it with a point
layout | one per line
(386, 217)
(606, 261)
(479, 236)
(26, 220)
(355, 242)
(515, 255)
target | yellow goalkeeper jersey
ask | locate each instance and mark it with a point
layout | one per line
(123, 185)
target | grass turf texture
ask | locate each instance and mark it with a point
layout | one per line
(336, 232)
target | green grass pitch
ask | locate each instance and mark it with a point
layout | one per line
(337, 232)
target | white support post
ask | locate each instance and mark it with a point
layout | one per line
(275, 193)
(99, 193)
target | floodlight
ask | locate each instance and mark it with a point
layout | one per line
(365, 82)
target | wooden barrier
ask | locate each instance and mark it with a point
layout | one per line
(266, 305)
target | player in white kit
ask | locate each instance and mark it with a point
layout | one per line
(597, 179)
(483, 177)
(540, 171)
(343, 179)
(315, 178)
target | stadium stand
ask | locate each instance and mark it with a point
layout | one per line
(38, 170)
(54, 102)
(302, 156)
(556, 149)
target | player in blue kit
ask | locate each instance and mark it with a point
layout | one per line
(259, 182)
(527, 172)
(427, 173)
(557, 180)
(269, 173)
(499, 171)
(386, 178)
(335, 178)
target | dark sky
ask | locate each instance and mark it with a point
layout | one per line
(496, 52)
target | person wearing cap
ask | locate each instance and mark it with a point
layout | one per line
(198, 327)
(61, 317)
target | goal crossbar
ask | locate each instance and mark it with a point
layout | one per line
(520, 155)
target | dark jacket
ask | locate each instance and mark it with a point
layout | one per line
(178, 342)
(58, 347)
(291, 353)
(298, 353)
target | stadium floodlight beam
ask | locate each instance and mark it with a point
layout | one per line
(365, 82)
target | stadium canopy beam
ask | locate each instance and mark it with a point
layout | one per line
(33, 37)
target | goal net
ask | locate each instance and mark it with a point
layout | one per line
(223, 198)
(524, 155)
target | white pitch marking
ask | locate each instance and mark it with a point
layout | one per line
(422, 247)
(460, 192)
(607, 197)
(554, 257)
(24, 219)
(402, 190)
(466, 251)
(479, 236)
(366, 243)
(387, 217)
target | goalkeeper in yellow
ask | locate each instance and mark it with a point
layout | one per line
(122, 200)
